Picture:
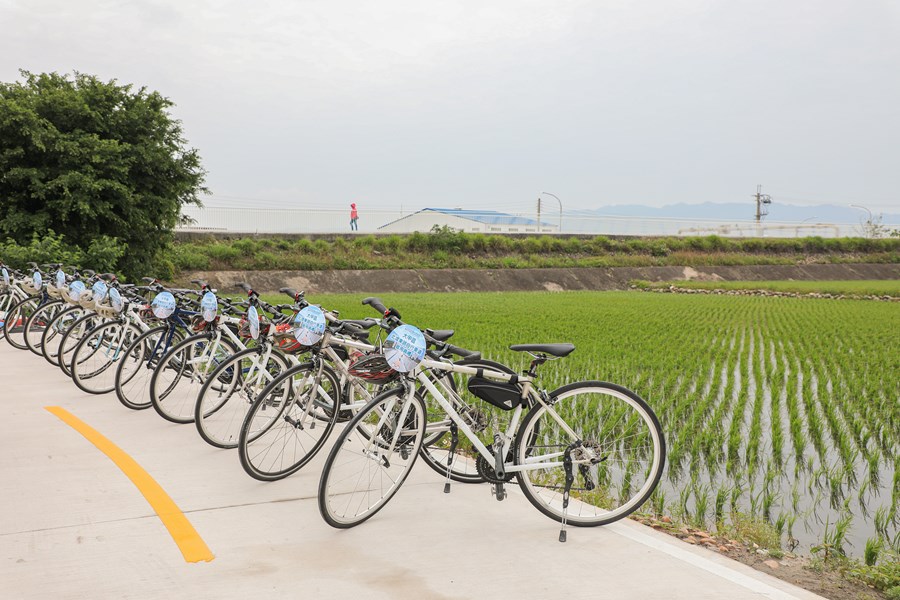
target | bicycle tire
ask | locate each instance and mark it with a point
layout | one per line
(134, 371)
(298, 420)
(56, 329)
(172, 392)
(73, 337)
(38, 322)
(618, 429)
(223, 401)
(370, 450)
(15, 320)
(88, 372)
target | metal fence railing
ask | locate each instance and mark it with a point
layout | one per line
(252, 220)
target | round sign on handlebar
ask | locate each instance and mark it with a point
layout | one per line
(253, 320)
(60, 279)
(209, 306)
(5, 276)
(100, 290)
(404, 348)
(75, 289)
(163, 305)
(309, 325)
(115, 300)
(37, 280)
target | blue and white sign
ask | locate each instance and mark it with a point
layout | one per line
(163, 305)
(253, 320)
(60, 279)
(404, 348)
(115, 300)
(100, 290)
(37, 280)
(309, 325)
(5, 276)
(75, 289)
(209, 306)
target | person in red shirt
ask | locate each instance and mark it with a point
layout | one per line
(354, 217)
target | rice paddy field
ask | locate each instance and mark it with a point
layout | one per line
(783, 409)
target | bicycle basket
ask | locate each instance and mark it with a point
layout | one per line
(374, 369)
(86, 299)
(501, 394)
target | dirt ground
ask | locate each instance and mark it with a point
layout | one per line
(794, 569)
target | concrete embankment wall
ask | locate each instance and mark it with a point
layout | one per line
(505, 280)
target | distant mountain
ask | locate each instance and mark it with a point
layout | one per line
(823, 213)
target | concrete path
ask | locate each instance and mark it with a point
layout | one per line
(72, 525)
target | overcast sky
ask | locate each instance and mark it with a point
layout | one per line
(489, 103)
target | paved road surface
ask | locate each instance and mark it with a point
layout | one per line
(72, 525)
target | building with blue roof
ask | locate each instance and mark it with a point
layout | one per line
(472, 221)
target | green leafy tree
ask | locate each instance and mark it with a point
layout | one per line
(96, 162)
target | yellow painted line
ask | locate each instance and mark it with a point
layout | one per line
(192, 546)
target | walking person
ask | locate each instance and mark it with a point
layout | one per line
(354, 217)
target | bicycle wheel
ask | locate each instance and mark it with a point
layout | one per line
(38, 322)
(228, 393)
(55, 330)
(94, 358)
(289, 422)
(371, 458)
(180, 374)
(134, 371)
(16, 319)
(477, 413)
(617, 465)
(7, 301)
(73, 337)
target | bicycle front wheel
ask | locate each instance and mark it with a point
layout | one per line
(180, 375)
(229, 392)
(93, 362)
(372, 458)
(15, 320)
(38, 322)
(289, 422)
(618, 453)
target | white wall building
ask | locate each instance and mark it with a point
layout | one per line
(471, 221)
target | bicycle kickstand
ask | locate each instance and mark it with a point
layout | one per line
(570, 479)
(454, 441)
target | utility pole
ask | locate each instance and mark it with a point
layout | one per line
(539, 214)
(762, 202)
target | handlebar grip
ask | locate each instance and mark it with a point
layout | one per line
(463, 353)
(375, 303)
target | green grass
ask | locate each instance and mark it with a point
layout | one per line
(855, 288)
(444, 248)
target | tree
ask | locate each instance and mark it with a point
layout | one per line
(93, 160)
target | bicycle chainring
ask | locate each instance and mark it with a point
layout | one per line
(487, 472)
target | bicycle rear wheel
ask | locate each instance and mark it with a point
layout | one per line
(617, 455)
(229, 392)
(371, 458)
(289, 422)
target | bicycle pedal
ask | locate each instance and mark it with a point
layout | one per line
(562, 535)
(446, 488)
